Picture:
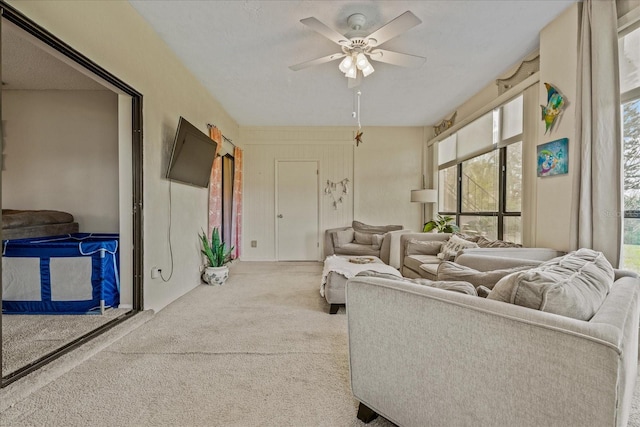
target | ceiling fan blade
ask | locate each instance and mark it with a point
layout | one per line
(394, 28)
(329, 33)
(317, 61)
(397, 58)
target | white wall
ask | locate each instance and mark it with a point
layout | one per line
(558, 67)
(382, 171)
(113, 35)
(61, 153)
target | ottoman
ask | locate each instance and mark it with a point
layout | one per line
(338, 269)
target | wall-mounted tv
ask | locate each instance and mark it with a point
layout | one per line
(192, 155)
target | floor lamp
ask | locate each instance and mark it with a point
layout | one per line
(424, 196)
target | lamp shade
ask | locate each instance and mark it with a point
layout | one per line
(424, 196)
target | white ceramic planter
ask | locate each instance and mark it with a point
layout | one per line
(215, 275)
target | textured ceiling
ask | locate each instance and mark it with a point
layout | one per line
(26, 66)
(241, 50)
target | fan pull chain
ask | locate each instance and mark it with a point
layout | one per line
(359, 132)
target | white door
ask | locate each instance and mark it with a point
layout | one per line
(297, 210)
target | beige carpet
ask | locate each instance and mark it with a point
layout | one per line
(26, 338)
(260, 350)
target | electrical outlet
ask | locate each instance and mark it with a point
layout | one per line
(254, 243)
(155, 272)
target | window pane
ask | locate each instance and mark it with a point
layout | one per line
(512, 231)
(447, 189)
(629, 58)
(631, 248)
(631, 137)
(476, 135)
(512, 118)
(514, 178)
(486, 226)
(480, 183)
(447, 150)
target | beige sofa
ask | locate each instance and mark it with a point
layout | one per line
(426, 356)
(344, 241)
(483, 259)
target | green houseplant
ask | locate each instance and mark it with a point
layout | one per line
(217, 255)
(442, 223)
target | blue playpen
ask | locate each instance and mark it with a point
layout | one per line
(72, 274)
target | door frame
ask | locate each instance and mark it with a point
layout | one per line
(23, 22)
(275, 204)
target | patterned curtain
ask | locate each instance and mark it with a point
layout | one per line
(236, 214)
(215, 184)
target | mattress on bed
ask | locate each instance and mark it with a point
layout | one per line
(23, 224)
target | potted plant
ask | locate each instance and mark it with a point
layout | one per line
(218, 256)
(444, 224)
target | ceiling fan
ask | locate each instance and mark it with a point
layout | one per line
(357, 46)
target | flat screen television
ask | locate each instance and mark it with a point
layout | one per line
(192, 155)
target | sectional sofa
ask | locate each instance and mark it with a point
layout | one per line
(422, 355)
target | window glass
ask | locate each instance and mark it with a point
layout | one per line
(486, 226)
(631, 165)
(447, 189)
(476, 136)
(512, 229)
(513, 191)
(480, 183)
(512, 118)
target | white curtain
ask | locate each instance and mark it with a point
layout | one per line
(597, 206)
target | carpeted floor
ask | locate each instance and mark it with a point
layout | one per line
(259, 350)
(26, 338)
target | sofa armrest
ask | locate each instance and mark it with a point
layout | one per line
(411, 344)
(390, 248)
(328, 240)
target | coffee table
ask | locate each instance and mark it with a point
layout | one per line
(340, 268)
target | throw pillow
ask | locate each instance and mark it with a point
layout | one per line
(454, 245)
(486, 243)
(467, 237)
(418, 247)
(343, 237)
(451, 271)
(574, 285)
(363, 238)
(376, 240)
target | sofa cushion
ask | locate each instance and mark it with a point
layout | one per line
(374, 229)
(422, 247)
(486, 243)
(574, 285)
(342, 237)
(415, 261)
(356, 249)
(454, 286)
(376, 240)
(363, 238)
(454, 245)
(448, 270)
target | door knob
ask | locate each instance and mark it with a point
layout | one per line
(280, 216)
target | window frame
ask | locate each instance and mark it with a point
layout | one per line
(500, 145)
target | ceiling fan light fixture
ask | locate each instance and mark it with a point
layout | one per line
(346, 64)
(352, 72)
(367, 70)
(361, 61)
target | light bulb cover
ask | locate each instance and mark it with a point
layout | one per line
(345, 64)
(367, 70)
(351, 72)
(361, 61)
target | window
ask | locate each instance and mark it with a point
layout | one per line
(629, 54)
(480, 176)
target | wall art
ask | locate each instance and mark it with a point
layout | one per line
(553, 157)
